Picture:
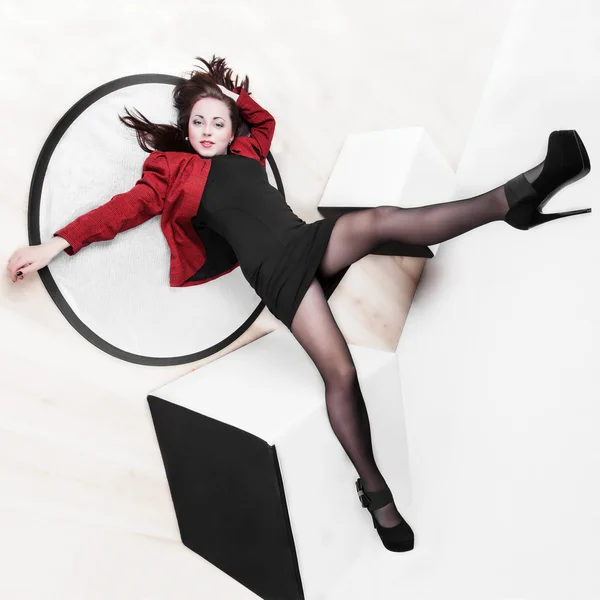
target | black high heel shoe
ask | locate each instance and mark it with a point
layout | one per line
(566, 161)
(397, 539)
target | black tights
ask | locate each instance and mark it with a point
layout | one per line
(354, 236)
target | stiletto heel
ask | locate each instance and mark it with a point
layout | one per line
(566, 161)
(396, 539)
(537, 218)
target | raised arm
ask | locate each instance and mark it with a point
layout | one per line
(262, 123)
(124, 211)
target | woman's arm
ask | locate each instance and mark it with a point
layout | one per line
(123, 211)
(262, 123)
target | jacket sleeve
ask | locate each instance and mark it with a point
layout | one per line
(124, 211)
(262, 123)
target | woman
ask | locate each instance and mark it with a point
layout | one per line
(206, 172)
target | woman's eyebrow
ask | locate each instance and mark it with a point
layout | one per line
(213, 117)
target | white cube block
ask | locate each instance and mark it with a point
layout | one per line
(261, 486)
(392, 167)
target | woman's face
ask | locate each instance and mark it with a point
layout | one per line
(210, 123)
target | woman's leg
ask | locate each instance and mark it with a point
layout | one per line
(316, 330)
(356, 234)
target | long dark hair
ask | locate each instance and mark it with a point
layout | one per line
(200, 84)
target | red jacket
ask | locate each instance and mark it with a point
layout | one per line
(171, 185)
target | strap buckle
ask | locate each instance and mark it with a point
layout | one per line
(364, 499)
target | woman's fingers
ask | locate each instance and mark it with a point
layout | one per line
(18, 275)
(21, 270)
(15, 262)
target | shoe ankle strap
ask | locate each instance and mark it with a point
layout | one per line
(373, 500)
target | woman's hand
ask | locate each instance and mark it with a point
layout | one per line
(229, 93)
(30, 258)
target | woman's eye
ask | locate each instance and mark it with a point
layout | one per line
(200, 123)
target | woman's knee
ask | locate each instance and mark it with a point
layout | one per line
(382, 216)
(342, 375)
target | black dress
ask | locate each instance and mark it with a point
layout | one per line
(278, 252)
